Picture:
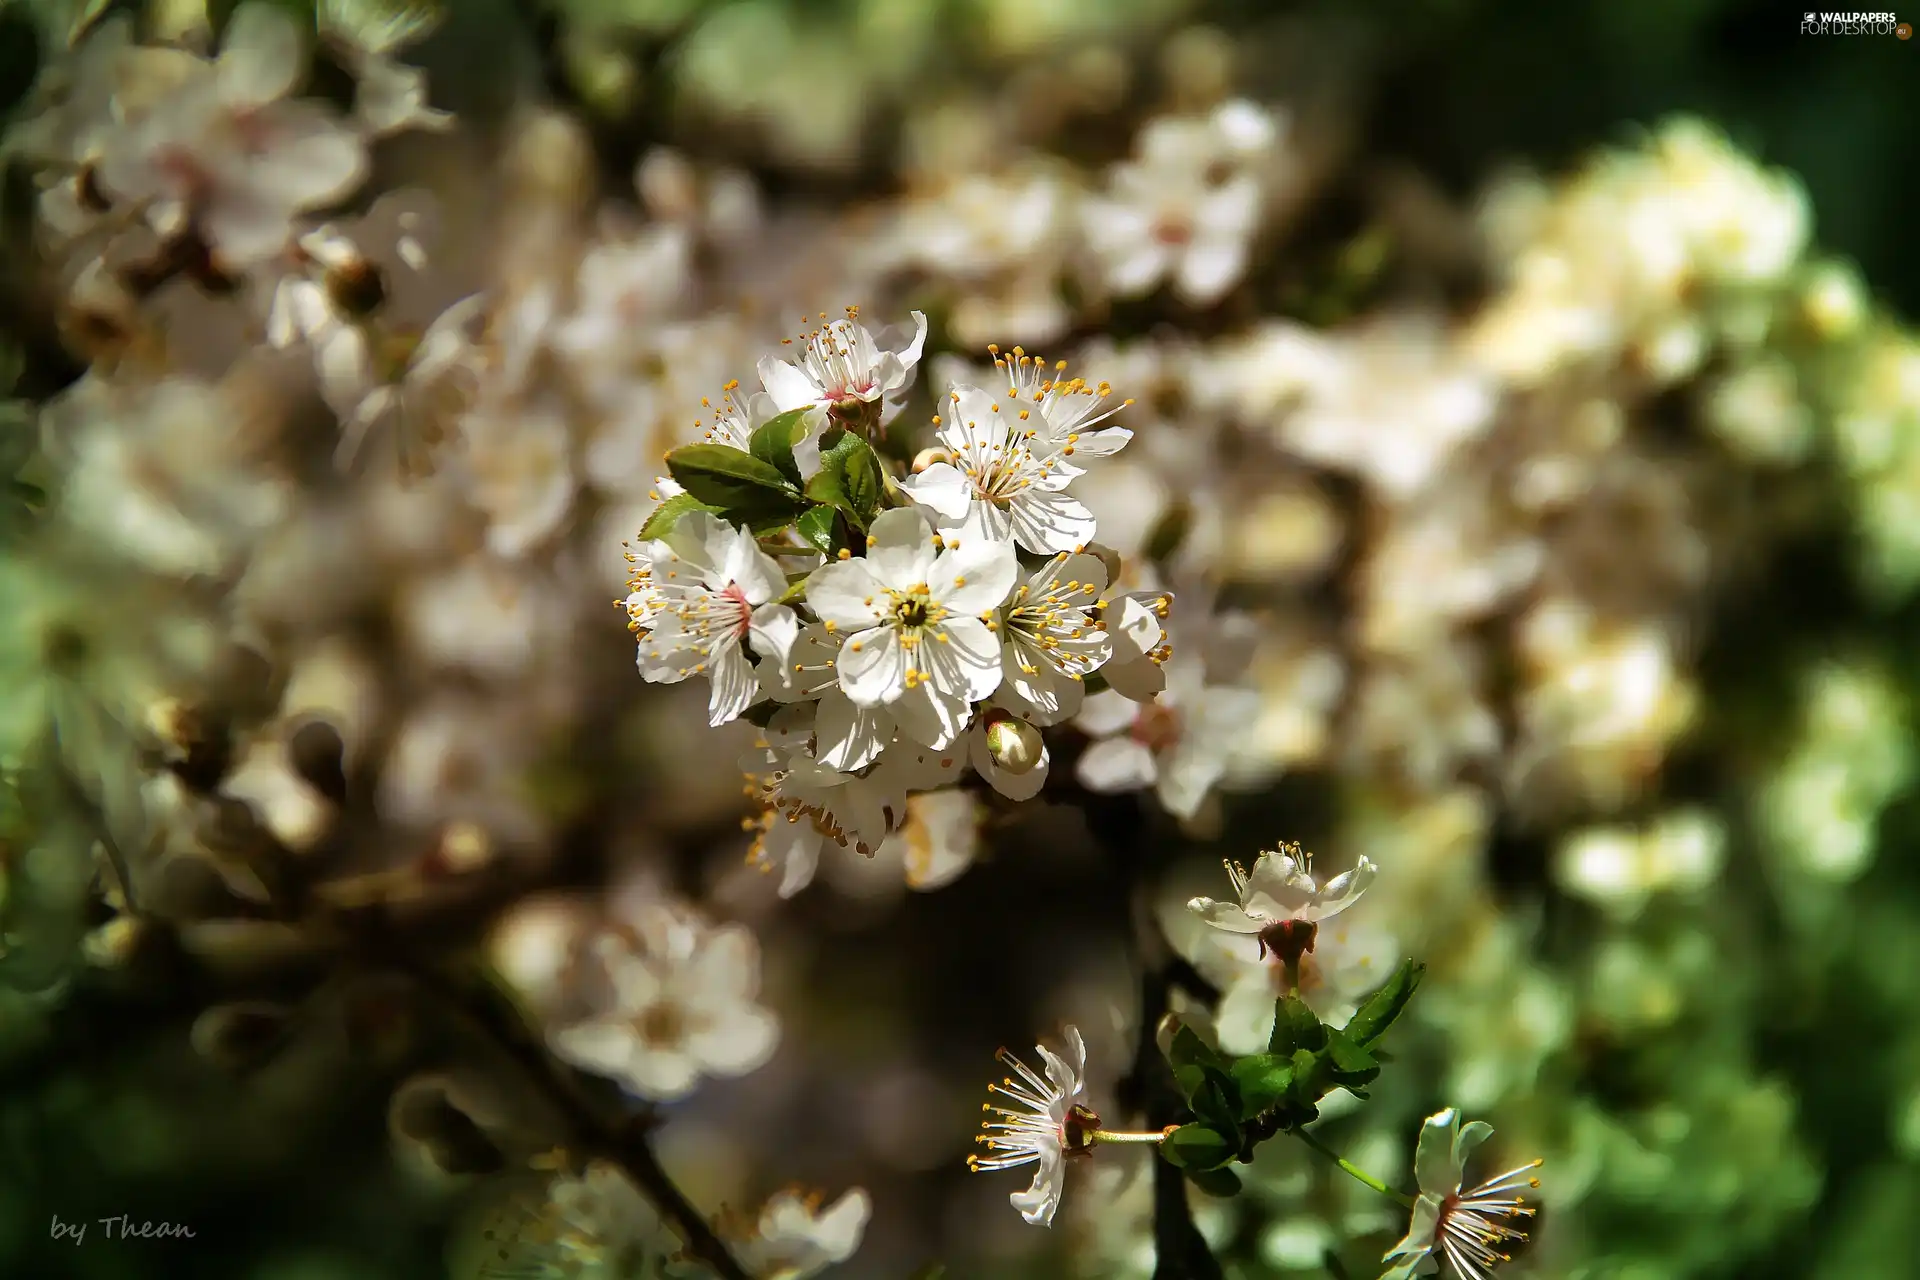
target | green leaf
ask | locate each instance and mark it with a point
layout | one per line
(1295, 1027)
(1217, 1100)
(1352, 1065)
(1263, 1080)
(864, 481)
(850, 476)
(1373, 1018)
(1188, 1049)
(668, 514)
(1221, 1183)
(816, 528)
(772, 442)
(733, 480)
(1195, 1146)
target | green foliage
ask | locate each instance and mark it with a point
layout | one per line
(773, 442)
(667, 515)
(1241, 1102)
(741, 487)
(850, 478)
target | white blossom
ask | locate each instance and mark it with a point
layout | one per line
(228, 153)
(1186, 208)
(1049, 639)
(674, 1001)
(708, 588)
(1282, 887)
(1007, 479)
(1468, 1229)
(1042, 1130)
(792, 1238)
(912, 609)
(804, 804)
(843, 367)
(1180, 744)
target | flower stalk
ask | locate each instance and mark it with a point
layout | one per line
(1353, 1170)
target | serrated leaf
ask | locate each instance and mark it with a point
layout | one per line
(1188, 1049)
(1263, 1080)
(1372, 1019)
(815, 527)
(668, 514)
(1350, 1061)
(740, 485)
(1295, 1027)
(865, 481)
(772, 442)
(1196, 1147)
(1217, 1101)
(850, 476)
(1221, 1183)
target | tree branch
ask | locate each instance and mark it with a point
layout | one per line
(1119, 825)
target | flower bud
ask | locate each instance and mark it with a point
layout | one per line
(928, 457)
(114, 943)
(239, 1036)
(1014, 745)
(431, 1120)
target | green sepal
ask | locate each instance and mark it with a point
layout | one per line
(1372, 1019)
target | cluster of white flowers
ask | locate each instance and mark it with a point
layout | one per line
(967, 616)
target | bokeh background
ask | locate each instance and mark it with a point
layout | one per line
(1552, 466)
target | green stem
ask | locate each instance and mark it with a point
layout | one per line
(1112, 1135)
(1353, 1170)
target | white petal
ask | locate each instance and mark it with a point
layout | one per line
(1227, 916)
(849, 737)
(963, 659)
(942, 490)
(787, 386)
(1433, 1162)
(845, 594)
(900, 550)
(1244, 1022)
(931, 717)
(604, 1048)
(1038, 1202)
(774, 629)
(1117, 764)
(735, 1039)
(873, 666)
(1051, 522)
(262, 56)
(1107, 713)
(734, 685)
(974, 577)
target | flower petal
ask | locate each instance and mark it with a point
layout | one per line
(873, 667)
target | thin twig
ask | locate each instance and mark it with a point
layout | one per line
(623, 1141)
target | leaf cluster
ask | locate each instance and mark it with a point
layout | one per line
(761, 486)
(1238, 1103)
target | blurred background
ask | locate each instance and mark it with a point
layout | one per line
(1527, 424)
